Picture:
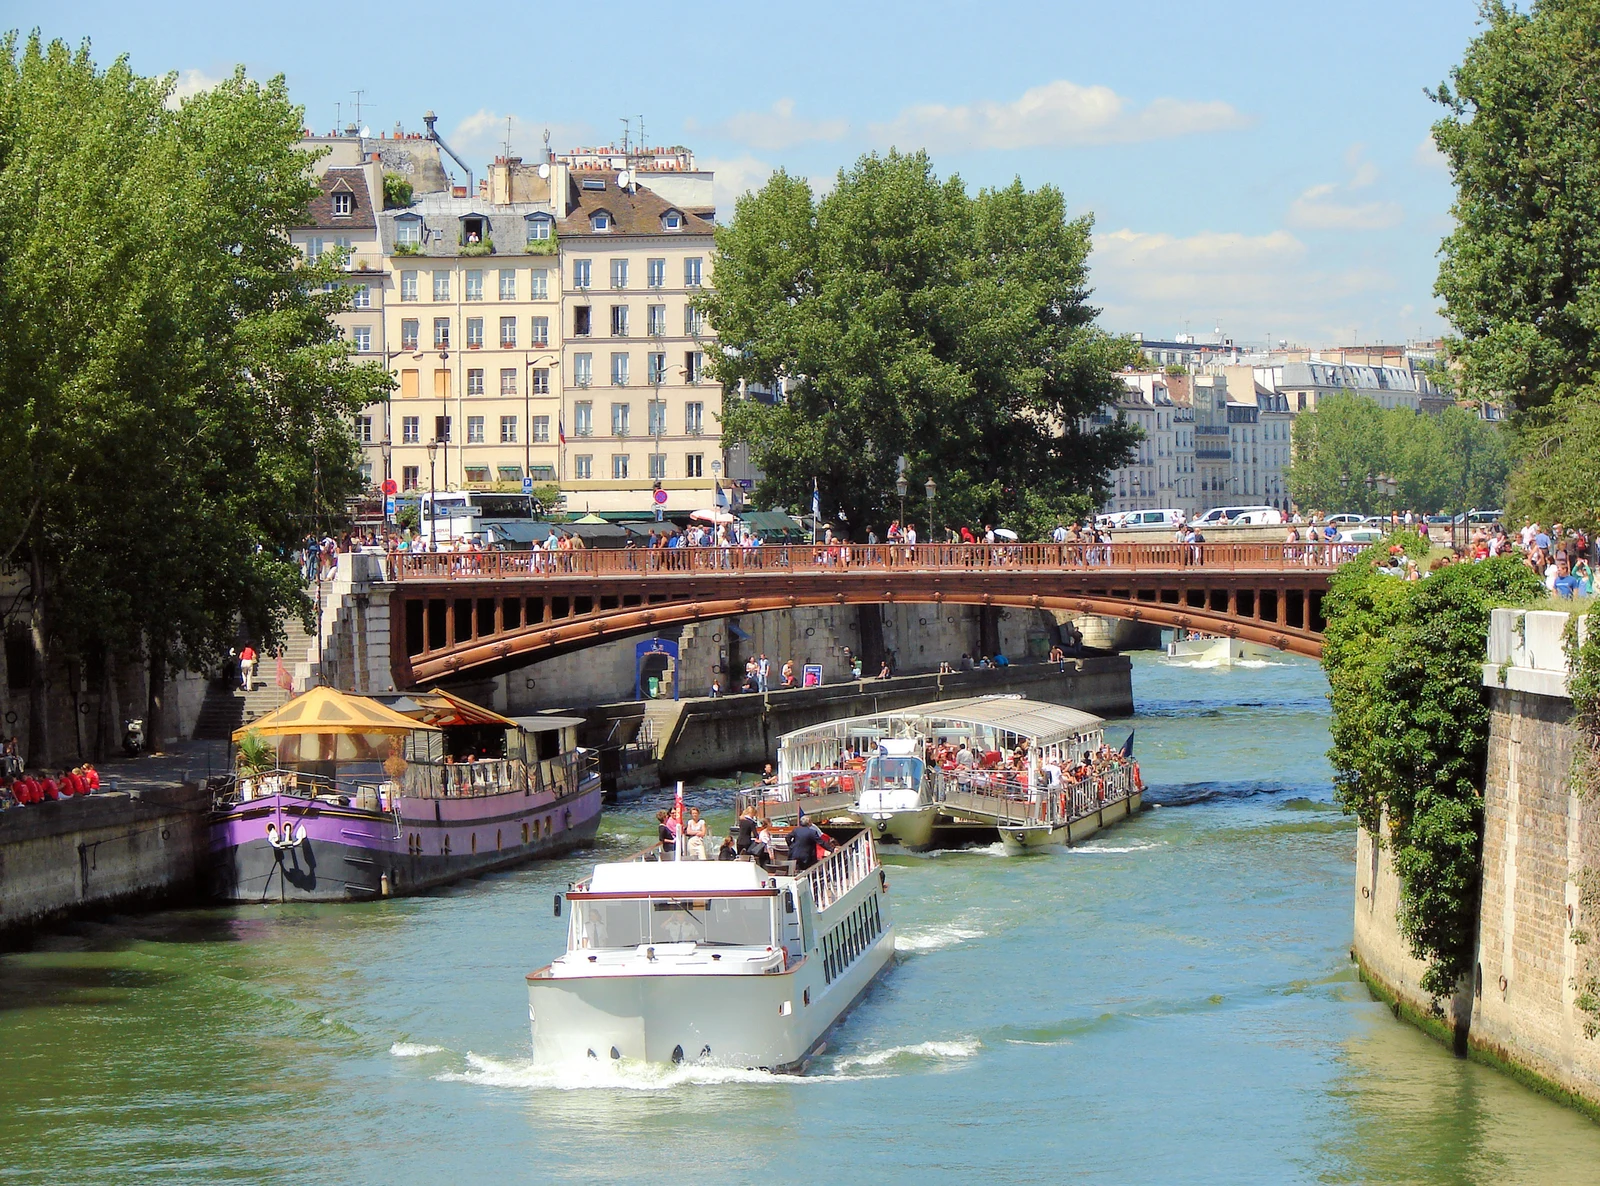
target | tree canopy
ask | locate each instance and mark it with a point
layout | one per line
(1445, 462)
(175, 402)
(905, 317)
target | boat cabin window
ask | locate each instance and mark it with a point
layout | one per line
(894, 771)
(713, 922)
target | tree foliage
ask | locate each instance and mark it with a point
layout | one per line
(175, 403)
(1411, 730)
(907, 317)
(1439, 462)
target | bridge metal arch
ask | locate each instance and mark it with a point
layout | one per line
(508, 650)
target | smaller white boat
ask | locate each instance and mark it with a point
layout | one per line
(1200, 650)
(722, 963)
(865, 770)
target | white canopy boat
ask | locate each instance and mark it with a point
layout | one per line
(722, 963)
(1202, 650)
(870, 771)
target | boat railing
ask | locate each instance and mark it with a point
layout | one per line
(788, 800)
(841, 870)
(1008, 798)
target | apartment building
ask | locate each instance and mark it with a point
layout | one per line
(639, 409)
(1161, 474)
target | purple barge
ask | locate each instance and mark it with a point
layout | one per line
(341, 797)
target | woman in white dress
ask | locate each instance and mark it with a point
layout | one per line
(694, 830)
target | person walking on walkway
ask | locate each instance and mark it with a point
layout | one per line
(247, 667)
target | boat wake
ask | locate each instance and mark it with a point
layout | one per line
(591, 1074)
(414, 1050)
(933, 939)
(922, 1052)
(1099, 849)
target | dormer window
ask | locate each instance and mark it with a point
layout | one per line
(343, 205)
(600, 220)
(408, 231)
(474, 229)
(672, 221)
(539, 228)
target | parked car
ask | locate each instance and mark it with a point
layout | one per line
(1343, 519)
(1258, 515)
(1162, 518)
(1360, 535)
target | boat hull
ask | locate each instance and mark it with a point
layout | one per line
(351, 854)
(772, 1022)
(911, 828)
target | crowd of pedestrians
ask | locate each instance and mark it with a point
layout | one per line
(24, 788)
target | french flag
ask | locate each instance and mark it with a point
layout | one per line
(561, 429)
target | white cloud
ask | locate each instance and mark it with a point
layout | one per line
(1426, 155)
(481, 136)
(775, 129)
(1058, 114)
(1250, 285)
(734, 177)
(190, 83)
(1326, 207)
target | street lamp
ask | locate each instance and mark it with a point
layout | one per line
(433, 511)
(931, 491)
(900, 488)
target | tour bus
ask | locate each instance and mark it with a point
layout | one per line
(457, 515)
(1257, 516)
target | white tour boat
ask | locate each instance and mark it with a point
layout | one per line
(876, 764)
(1201, 650)
(724, 963)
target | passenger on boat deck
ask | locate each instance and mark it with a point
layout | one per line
(804, 842)
(666, 830)
(768, 776)
(727, 852)
(694, 831)
(747, 831)
(761, 849)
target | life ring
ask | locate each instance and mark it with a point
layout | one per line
(1138, 782)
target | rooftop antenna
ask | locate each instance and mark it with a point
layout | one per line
(358, 95)
(547, 144)
(338, 117)
(508, 137)
(626, 124)
(642, 140)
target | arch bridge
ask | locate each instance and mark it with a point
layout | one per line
(483, 613)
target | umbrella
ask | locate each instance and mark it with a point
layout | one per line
(709, 516)
(1006, 534)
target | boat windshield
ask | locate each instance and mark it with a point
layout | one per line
(713, 922)
(894, 772)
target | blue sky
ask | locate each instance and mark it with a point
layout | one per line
(1262, 168)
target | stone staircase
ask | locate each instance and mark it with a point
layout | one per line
(228, 707)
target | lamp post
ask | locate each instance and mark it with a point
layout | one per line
(433, 511)
(931, 490)
(900, 488)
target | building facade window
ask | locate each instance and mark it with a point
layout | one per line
(508, 380)
(694, 418)
(582, 369)
(580, 273)
(411, 430)
(583, 418)
(408, 231)
(656, 320)
(538, 229)
(408, 334)
(474, 333)
(655, 271)
(655, 369)
(408, 286)
(620, 415)
(582, 320)
(342, 205)
(508, 333)
(539, 284)
(601, 221)
(541, 430)
(314, 249)
(508, 430)
(475, 285)
(694, 465)
(694, 321)
(619, 321)
(441, 286)
(477, 473)
(364, 429)
(410, 475)
(694, 364)
(508, 284)
(509, 473)
(656, 410)
(583, 467)
(658, 466)
(619, 370)
(474, 430)
(619, 273)
(361, 296)
(619, 467)
(362, 336)
(474, 380)
(541, 333)
(691, 272)
(541, 381)
(441, 333)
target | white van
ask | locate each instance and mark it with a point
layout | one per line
(1163, 518)
(1257, 516)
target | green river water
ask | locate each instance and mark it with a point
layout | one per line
(1171, 1002)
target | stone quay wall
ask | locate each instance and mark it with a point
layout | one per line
(85, 855)
(1537, 940)
(732, 733)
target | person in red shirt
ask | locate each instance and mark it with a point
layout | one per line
(51, 790)
(93, 775)
(247, 667)
(75, 784)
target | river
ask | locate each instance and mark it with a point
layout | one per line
(1171, 1002)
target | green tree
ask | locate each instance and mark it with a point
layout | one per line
(909, 318)
(176, 401)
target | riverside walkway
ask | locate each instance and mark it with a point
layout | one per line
(481, 613)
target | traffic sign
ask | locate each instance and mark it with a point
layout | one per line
(389, 486)
(661, 498)
(527, 485)
(388, 506)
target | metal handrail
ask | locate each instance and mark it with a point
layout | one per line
(1013, 803)
(841, 870)
(787, 559)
